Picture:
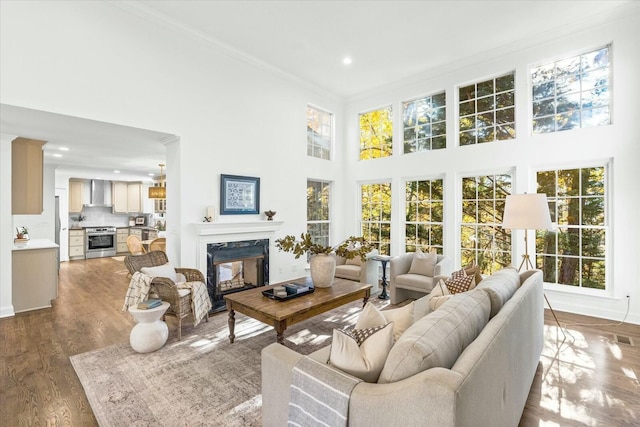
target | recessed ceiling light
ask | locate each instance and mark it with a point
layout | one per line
(63, 148)
(116, 171)
(57, 155)
(150, 174)
(347, 60)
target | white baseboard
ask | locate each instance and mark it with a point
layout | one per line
(613, 316)
(7, 311)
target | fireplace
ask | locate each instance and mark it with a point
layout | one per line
(234, 267)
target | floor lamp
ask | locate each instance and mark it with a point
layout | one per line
(528, 212)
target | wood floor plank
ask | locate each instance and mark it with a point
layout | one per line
(591, 381)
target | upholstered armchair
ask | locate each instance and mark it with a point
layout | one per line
(359, 271)
(165, 287)
(412, 280)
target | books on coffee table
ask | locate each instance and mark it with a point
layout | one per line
(294, 288)
(150, 303)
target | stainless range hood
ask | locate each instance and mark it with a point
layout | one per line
(100, 193)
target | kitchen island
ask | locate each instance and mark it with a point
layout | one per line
(34, 274)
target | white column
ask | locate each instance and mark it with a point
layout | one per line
(6, 227)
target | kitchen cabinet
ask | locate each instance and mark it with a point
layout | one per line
(127, 197)
(121, 241)
(34, 281)
(136, 232)
(76, 196)
(76, 244)
(26, 176)
(134, 197)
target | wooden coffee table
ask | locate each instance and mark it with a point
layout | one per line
(282, 314)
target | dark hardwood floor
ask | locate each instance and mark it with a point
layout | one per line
(591, 381)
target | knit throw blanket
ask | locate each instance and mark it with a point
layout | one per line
(200, 302)
(138, 291)
(319, 395)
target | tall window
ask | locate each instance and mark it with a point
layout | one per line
(574, 254)
(424, 215)
(487, 111)
(424, 125)
(319, 133)
(376, 134)
(482, 238)
(318, 223)
(572, 93)
(376, 215)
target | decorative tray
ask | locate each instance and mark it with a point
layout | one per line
(269, 294)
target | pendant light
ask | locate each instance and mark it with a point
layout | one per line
(159, 192)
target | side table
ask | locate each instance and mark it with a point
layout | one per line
(150, 333)
(383, 260)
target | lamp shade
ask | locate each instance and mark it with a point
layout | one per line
(157, 193)
(526, 212)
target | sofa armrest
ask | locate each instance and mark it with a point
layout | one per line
(277, 370)
(444, 267)
(429, 396)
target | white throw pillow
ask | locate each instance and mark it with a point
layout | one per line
(423, 264)
(439, 295)
(361, 352)
(165, 270)
(401, 317)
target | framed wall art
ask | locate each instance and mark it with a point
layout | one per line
(239, 195)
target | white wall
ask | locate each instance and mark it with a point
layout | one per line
(617, 142)
(94, 60)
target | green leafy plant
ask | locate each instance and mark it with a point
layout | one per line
(349, 248)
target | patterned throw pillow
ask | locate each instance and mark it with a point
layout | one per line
(361, 352)
(460, 282)
(473, 270)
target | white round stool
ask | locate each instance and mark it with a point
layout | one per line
(150, 333)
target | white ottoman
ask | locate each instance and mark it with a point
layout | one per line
(150, 333)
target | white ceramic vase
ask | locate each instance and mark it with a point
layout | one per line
(323, 269)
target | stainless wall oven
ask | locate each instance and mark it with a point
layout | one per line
(100, 242)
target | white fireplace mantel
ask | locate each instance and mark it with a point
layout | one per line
(216, 228)
(220, 232)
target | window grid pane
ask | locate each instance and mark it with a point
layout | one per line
(376, 215)
(424, 124)
(575, 254)
(487, 111)
(424, 221)
(482, 238)
(572, 93)
(376, 134)
(319, 133)
(318, 219)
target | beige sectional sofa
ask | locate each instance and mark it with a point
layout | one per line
(480, 351)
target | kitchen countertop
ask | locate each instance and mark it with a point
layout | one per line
(35, 244)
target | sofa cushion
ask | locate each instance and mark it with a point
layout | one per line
(401, 317)
(423, 264)
(437, 339)
(346, 271)
(417, 281)
(166, 270)
(421, 308)
(361, 352)
(500, 287)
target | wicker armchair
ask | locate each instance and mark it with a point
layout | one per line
(135, 245)
(165, 288)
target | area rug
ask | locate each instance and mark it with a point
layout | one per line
(200, 380)
(118, 258)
